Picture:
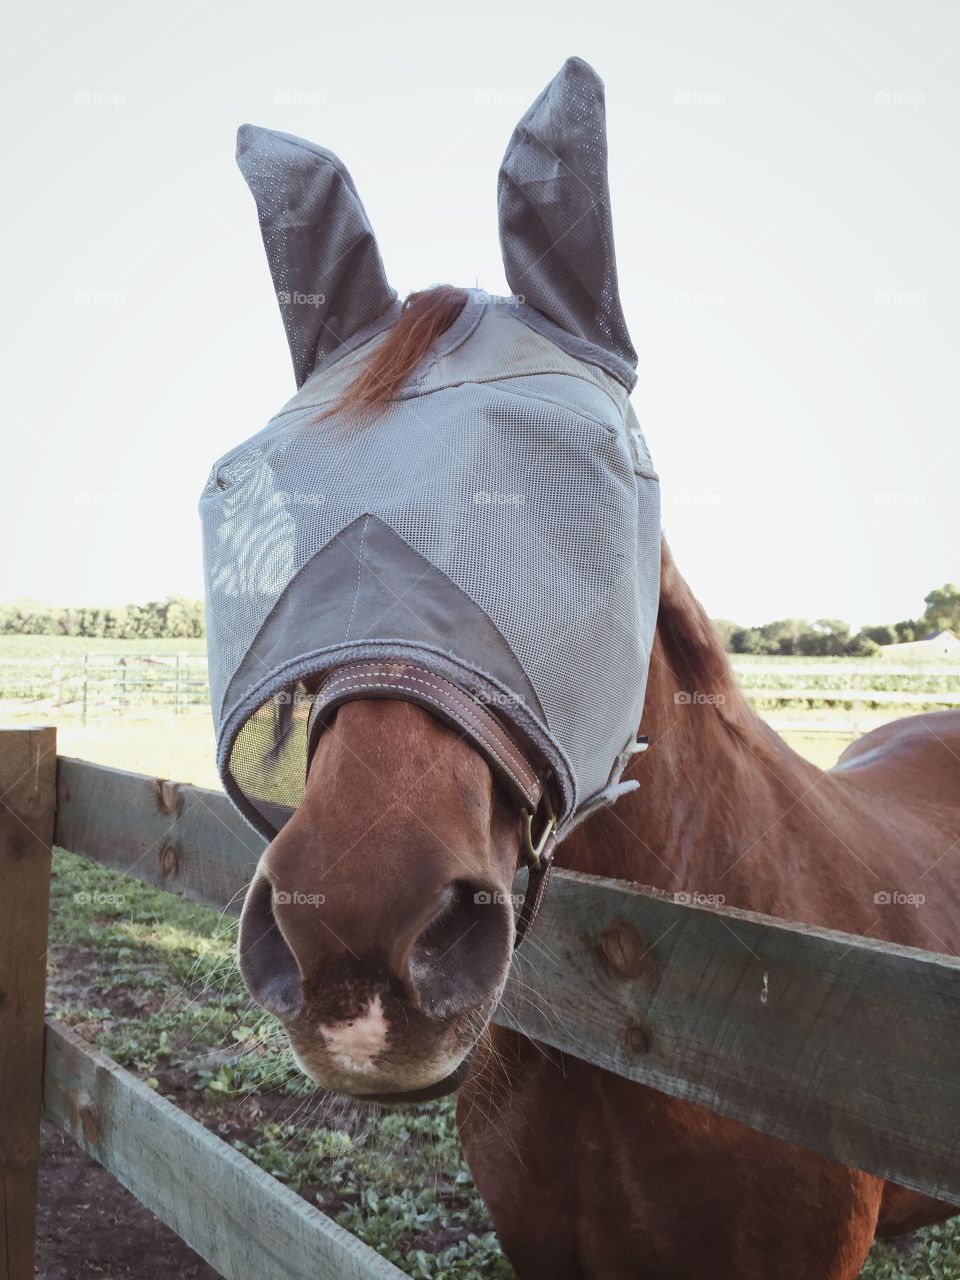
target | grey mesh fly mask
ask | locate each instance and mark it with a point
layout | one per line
(493, 532)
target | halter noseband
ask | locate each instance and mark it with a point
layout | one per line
(451, 704)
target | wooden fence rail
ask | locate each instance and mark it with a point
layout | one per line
(193, 1181)
(835, 1042)
(100, 685)
(839, 1043)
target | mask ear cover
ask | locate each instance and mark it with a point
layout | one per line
(556, 233)
(326, 267)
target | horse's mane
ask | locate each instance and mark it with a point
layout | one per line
(423, 317)
(690, 642)
(690, 648)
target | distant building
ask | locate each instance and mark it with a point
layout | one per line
(937, 645)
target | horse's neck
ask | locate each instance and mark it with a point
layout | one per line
(715, 781)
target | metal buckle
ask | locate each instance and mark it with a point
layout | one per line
(532, 852)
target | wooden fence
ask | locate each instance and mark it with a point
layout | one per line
(101, 686)
(845, 1045)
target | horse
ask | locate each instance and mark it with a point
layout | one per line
(385, 903)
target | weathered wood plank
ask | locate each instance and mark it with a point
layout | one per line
(838, 1043)
(247, 1225)
(28, 765)
(186, 839)
(835, 1042)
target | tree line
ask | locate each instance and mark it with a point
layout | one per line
(832, 637)
(176, 617)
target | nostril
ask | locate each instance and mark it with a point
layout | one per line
(460, 958)
(267, 964)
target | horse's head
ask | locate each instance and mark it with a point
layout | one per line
(379, 926)
(459, 504)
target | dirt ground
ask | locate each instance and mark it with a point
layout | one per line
(91, 1228)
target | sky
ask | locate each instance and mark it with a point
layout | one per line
(786, 207)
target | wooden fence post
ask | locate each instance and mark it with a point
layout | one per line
(28, 787)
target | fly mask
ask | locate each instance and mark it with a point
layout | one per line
(487, 544)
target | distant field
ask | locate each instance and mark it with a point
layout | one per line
(182, 747)
(818, 705)
(785, 660)
(76, 646)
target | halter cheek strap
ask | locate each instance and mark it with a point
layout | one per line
(509, 761)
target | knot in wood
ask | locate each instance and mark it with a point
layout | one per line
(169, 859)
(639, 1039)
(622, 950)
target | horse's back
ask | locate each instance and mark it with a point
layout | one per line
(914, 763)
(918, 756)
(898, 794)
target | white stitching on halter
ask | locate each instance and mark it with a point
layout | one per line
(527, 784)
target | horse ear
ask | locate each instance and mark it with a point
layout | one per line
(555, 228)
(323, 256)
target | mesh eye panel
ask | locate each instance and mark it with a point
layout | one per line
(507, 468)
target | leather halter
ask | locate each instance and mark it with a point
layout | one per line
(451, 704)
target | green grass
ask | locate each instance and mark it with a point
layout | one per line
(933, 1254)
(181, 748)
(151, 980)
(788, 660)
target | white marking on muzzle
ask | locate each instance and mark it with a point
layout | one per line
(353, 1045)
